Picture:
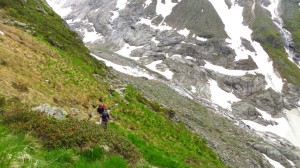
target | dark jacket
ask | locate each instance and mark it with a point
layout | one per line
(105, 116)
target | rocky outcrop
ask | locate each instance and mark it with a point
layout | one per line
(281, 156)
(51, 111)
(268, 100)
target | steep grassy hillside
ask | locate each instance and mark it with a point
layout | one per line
(42, 61)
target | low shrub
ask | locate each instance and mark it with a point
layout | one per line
(70, 134)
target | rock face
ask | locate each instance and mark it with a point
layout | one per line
(51, 111)
(190, 47)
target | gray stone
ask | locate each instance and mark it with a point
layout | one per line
(167, 38)
(269, 101)
(291, 96)
(51, 111)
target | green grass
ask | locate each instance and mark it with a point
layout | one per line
(141, 134)
(23, 150)
(268, 35)
(292, 23)
(157, 137)
(49, 27)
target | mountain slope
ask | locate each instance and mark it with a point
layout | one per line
(42, 61)
(234, 57)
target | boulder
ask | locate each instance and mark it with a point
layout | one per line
(51, 111)
(167, 38)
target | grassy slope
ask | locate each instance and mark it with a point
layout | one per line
(267, 34)
(54, 67)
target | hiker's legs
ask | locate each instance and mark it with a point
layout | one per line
(105, 124)
(100, 120)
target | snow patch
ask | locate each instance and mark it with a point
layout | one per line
(165, 9)
(201, 38)
(175, 56)
(137, 72)
(126, 50)
(161, 27)
(1, 33)
(273, 162)
(147, 3)
(288, 126)
(264, 114)
(121, 4)
(168, 74)
(58, 7)
(220, 97)
(233, 21)
(91, 36)
(190, 58)
(72, 21)
(185, 32)
(194, 90)
(155, 41)
(224, 71)
(115, 15)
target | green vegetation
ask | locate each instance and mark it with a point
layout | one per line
(291, 17)
(158, 137)
(267, 34)
(54, 67)
(47, 25)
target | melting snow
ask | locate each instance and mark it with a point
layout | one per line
(287, 126)
(115, 15)
(126, 50)
(201, 38)
(91, 36)
(193, 89)
(1, 33)
(273, 162)
(224, 71)
(161, 27)
(190, 58)
(58, 7)
(155, 41)
(121, 4)
(168, 74)
(165, 9)
(233, 21)
(147, 3)
(71, 21)
(220, 97)
(138, 72)
(185, 32)
(176, 56)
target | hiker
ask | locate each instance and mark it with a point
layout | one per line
(105, 117)
(100, 109)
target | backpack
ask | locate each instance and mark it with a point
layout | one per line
(105, 115)
(100, 109)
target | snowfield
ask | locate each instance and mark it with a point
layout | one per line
(236, 30)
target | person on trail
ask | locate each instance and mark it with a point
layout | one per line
(100, 109)
(105, 117)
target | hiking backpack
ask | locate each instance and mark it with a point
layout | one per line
(100, 109)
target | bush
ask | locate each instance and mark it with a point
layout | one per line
(70, 133)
